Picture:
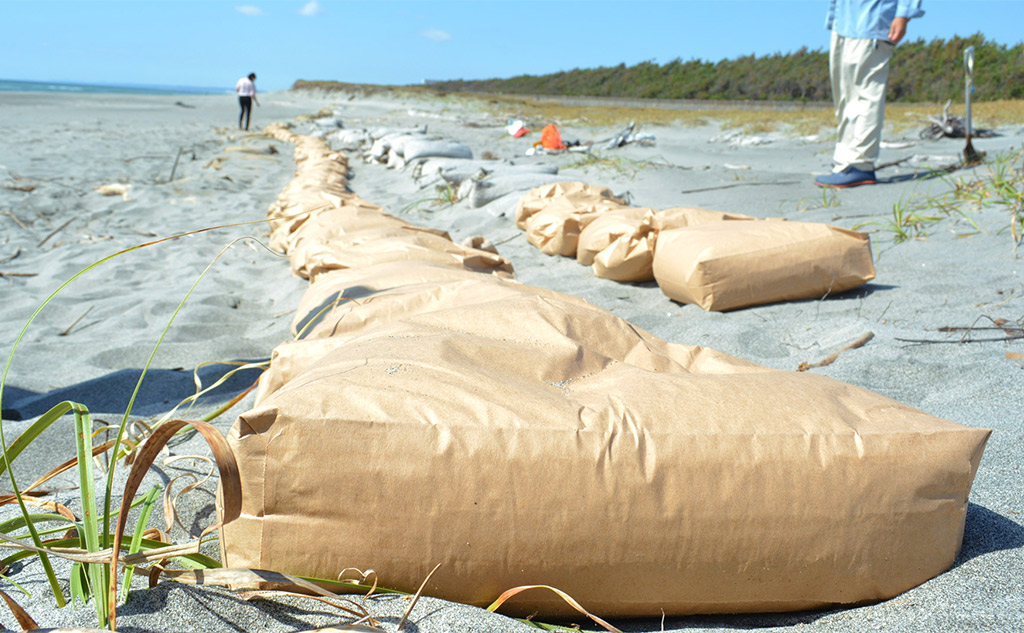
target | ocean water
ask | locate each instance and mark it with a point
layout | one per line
(14, 85)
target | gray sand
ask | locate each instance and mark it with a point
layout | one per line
(91, 342)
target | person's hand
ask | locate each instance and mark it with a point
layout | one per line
(897, 30)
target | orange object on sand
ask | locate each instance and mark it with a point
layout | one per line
(551, 138)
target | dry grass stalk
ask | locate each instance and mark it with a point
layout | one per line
(230, 485)
(16, 220)
(24, 619)
(415, 598)
(569, 600)
(68, 329)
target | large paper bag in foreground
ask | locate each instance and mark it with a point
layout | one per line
(535, 439)
(726, 265)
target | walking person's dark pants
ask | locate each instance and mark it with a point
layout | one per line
(246, 103)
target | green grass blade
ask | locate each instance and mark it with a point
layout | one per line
(79, 584)
(20, 588)
(148, 500)
(18, 522)
(10, 525)
(30, 434)
(10, 454)
(87, 494)
(191, 561)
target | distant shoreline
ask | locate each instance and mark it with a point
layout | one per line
(20, 85)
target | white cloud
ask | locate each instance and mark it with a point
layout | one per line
(436, 35)
(311, 8)
(248, 9)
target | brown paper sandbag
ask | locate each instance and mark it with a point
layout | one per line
(366, 280)
(678, 217)
(348, 310)
(347, 302)
(625, 249)
(324, 311)
(627, 258)
(532, 441)
(540, 197)
(329, 224)
(398, 245)
(605, 229)
(293, 208)
(338, 228)
(722, 266)
(555, 229)
(294, 200)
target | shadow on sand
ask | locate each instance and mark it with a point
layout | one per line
(161, 391)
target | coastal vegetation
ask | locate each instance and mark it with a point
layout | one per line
(999, 186)
(755, 94)
(923, 72)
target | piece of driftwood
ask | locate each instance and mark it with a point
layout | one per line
(831, 358)
(950, 126)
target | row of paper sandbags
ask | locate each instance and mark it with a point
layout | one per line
(719, 261)
(519, 436)
(322, 226)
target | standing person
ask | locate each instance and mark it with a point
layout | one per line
(246, 89)
(864, 34)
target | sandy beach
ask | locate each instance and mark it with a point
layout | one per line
(179, 164)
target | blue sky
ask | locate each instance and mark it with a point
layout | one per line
(211, 43)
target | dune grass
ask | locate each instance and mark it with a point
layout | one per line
(98, 550)
(997, 184)
(619, 164)
(92, 545)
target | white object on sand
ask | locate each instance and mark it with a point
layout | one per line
(114, 189)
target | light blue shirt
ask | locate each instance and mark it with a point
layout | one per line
(869, 19)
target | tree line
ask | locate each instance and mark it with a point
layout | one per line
(921, 72)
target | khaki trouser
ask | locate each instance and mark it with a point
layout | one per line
(859, 71)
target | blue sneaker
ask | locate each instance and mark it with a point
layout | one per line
(849, 177)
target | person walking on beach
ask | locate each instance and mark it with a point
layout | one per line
(246, 89)
(864, 35)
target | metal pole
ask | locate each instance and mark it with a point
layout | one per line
(970, 155)
(968, 85)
